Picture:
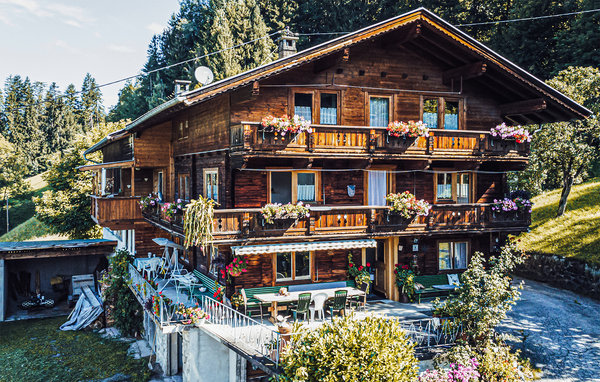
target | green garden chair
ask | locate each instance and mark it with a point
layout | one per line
(339, 302)
(303, 305)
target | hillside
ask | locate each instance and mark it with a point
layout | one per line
(576, 233)
(23, 224)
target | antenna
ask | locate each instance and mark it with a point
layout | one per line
(204, 75)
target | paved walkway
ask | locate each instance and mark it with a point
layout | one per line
(559, 331)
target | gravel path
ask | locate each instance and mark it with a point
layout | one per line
(559, 331)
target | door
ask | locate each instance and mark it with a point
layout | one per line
(376, 257)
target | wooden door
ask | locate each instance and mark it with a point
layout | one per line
(376, 257)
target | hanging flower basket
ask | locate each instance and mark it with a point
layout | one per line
(407, 206)
(286, 125)
(410, 129)
(515, 133)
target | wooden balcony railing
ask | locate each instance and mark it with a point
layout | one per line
(332, 139)
(115, 212)
(351, 220)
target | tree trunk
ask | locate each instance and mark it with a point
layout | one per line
(562, 205)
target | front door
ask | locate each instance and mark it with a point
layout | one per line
(376, 257)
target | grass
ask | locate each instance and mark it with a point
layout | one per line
(575, 234)
(31, 229)
(36, 350)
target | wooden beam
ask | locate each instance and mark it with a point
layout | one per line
(99, 166)
(410, 35)
(444, 47)
(245, 94)
(466, 72)
(523, 107)
(325, 63)
(427, 52)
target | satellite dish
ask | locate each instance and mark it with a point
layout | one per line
(204, 75)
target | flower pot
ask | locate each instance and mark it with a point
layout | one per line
(235, 273)
(404, 298)
(200, 322)
(398, 220)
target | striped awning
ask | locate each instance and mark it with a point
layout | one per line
(305, 246)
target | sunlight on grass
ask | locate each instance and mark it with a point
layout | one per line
(37, 182)
(576, 233)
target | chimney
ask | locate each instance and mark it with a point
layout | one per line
(182, 86)
(286, 44)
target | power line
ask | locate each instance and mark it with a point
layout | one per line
(529, 18)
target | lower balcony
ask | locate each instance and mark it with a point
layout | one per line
(232, 225)
(118, 212)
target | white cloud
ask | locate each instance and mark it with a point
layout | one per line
(155, 28)
(70, 15)
(120, 48)
(64, 45)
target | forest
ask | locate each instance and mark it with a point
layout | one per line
(44, 129)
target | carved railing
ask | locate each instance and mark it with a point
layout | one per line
(334, 220)
(327, 139)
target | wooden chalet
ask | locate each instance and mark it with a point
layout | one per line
(416, 66)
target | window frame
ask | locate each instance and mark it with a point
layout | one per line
(292, 102)
(338, 117)
(188, 189)
(454, 199)
(183, 132)
(295, 184)
(160, 182)
(293, 268)
(391, 112)
(390, 180)
(205, 171)
(452, 243)
(441, 112)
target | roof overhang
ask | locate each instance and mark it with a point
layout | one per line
(303, 247)
(99, 166)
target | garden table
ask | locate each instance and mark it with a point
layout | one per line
(275, 299)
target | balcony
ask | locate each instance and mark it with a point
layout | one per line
(231, 225)
(118, 212)
(249, 138)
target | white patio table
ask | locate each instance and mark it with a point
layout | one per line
(275, 299)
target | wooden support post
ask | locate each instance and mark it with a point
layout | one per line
(133, 181)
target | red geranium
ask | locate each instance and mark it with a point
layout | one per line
(350, 265)
(368, 264)
(405, 267)
(360, 267)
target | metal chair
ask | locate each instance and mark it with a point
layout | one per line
(248, 306)
(318, 303)
(339, 302)
(361, 301)
(303, 305)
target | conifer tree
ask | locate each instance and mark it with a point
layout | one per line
(92, 110)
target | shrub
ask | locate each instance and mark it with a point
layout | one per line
(485, 295)
(126, 312)
(347, 349)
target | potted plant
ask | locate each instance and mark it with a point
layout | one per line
(405, 280)
(237, 300)
(219, 292)
(237, 266)
(191, 315)
(359, 273)
(285, 124)
(273, 212)
(169, 210)
(406, 206)
(148, 203)
(517, 133)
(410, 129)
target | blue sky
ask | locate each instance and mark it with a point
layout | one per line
(61, 41)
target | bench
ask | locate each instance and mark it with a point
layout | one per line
(252, 302)
(428, 281)
(207, 282)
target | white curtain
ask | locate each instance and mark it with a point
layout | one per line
(460, 255)
(306, 192)
(377, 188)
(380, 111)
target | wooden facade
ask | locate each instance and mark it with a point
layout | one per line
(415, 67)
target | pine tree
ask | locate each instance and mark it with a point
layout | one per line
(92, 110)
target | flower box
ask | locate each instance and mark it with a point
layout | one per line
(285, 215)
(407, 206)
(286, 125)
(512, 133)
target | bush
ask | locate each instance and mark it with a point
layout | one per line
(495, 361)
(126, 312)
(348, 349)
(485, 295)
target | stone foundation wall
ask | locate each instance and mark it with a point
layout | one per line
(570, 274)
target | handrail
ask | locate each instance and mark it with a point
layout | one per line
(100, 197)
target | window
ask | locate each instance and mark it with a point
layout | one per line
(444, 186)
(160, 185)
(184, 129)
(377, 187)
(462, 188)
(451, 115)
(303, 105)
(184, 187)
(452, 255)
(293, 186)
(430, 112)
(291, 266)
(379, 111)
(441, 113)
(328, 112)
(211, 184)
(453, 187)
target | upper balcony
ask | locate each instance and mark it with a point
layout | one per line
(249, 138)
(232, 225)
(116, 212)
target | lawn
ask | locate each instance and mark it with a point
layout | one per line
(36, 350)
(576, 233)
